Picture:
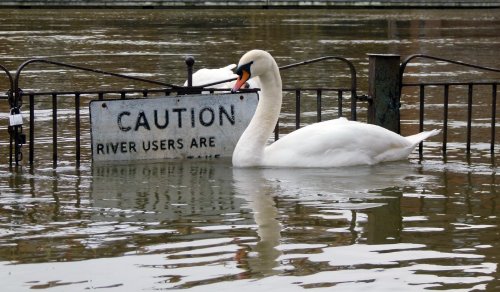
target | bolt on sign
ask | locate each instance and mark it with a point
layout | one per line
(189, 126)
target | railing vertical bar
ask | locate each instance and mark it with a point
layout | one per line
(32, 129)
(421, 118)
(101, 95)
(54, 130)
(297, 108)
(469, 117)
(445, 117)
(122, 95)
(353, 105)
(339, 99)
(189, 63)
(493, 116)
(77, 128)
(277, 131)
(318, 104)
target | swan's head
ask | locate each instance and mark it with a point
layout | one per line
(254, 63)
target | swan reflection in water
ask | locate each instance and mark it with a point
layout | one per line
(252, 186)
(346, 190)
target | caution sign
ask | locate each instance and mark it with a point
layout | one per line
(190, 126)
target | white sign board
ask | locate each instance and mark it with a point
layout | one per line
(189, 126)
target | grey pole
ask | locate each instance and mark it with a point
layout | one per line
(384, 89)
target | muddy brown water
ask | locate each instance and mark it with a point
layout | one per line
(202, 225)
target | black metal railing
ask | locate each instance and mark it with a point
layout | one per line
(318, 92)
(76, 97)
(339, 92)
(16, 101)
(352, 89)
(340, 95)
(422, 86)
(319, 95)
(17, 95)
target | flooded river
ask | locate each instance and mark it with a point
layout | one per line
(430, 223)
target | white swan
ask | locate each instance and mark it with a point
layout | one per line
(331, 143)
(206, 76)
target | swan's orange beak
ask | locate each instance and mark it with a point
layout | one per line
(242, 79)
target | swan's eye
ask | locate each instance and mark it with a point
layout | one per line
(244, 68)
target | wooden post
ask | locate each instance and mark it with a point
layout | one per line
(384, 89)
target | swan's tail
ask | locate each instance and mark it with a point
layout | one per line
(417, 138)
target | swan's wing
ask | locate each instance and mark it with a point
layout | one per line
(337, 143)
(205, 76)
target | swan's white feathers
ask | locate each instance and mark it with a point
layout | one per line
(331, 143)
(206, 76)
(337, 142)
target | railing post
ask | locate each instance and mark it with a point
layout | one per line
(190, 63)
(384, 89)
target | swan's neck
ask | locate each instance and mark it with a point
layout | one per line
(250, 147)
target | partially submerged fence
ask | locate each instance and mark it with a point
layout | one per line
(383, 101)
(468, 86)
(17, 96)
(18, 99)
